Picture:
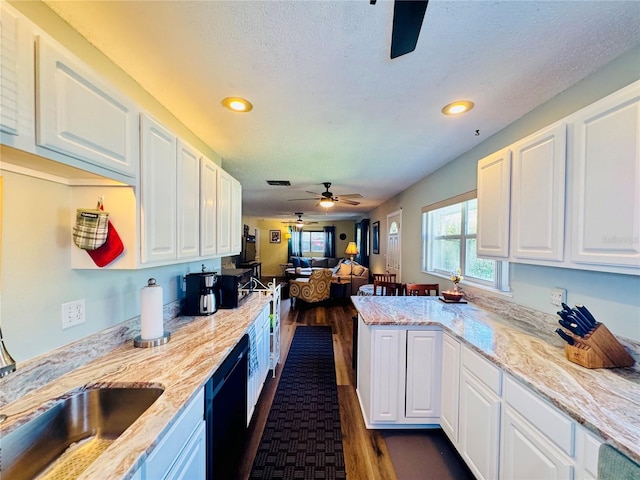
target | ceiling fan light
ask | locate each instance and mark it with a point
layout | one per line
(326, 203)
(457, 107)
(237, 104)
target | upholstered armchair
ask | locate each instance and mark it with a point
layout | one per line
(313, 289)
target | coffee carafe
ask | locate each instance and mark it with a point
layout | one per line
(201, 293)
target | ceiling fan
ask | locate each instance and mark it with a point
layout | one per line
(407, 21)
(299, 222)
(327, 199)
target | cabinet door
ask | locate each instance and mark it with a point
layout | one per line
(236, 216)
(387, 387)
(450, 387)
(17, 104)
(527, 455)
(479, 427)
(494, 187)
(158, 192)
(423, 374)
(79, 115)
(208, 207)
(537, 197)
(192, 462)
(188, 200)
(606, 181)
(224, 212)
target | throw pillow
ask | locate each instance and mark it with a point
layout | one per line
(304, 263)
(295, 261)
(345, 269)
(358, 270)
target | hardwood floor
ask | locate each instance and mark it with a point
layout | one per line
(365, 451)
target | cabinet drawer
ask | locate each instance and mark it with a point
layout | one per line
(176, 438)
(482, 368)
(546, 418)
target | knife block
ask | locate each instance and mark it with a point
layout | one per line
(598, 349)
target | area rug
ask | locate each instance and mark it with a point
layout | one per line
(302, 437)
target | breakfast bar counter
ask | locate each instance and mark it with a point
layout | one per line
(605, 401)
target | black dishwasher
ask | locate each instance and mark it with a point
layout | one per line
(226, 413)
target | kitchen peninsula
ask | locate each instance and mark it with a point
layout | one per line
(181, 367)
(505, 374)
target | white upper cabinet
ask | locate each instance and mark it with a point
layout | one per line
(225, 194)
(606, 181)
(537, 196)
(158, 192)
(236, 216)
(209, 172)
(17, 110)
(80, 115)
(188, 201)
(494, 187)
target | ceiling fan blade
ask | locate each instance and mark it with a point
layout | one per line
(348, 202)
(350, 195)
(313, 193)
(407, 21)
(298, 199)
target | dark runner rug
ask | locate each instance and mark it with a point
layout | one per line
(302, 437)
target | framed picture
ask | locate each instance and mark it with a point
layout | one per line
(274, 236)
(375, 238)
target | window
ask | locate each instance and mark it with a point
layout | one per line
(449, 245)
(313, 242)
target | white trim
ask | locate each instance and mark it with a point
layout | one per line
(393, 214)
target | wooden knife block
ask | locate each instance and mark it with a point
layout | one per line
(598, 349)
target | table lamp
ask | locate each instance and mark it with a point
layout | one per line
(351, 251)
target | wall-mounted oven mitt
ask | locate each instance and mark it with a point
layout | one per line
(91, 228)
(111, 249)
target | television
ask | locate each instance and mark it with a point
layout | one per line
(249, 249)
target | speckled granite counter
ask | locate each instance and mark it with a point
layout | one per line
(606, 401)
(197, 347)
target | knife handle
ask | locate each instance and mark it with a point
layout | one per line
(587, 314)
(565, 337)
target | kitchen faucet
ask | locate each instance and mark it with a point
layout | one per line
(7, 363)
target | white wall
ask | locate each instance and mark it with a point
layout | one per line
(614, 299)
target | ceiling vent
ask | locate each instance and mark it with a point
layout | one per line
(279, 183)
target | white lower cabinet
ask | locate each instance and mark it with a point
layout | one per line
(587, 449)
(479, 426)
(527, 455)
(450, 387)
(181, 453)
(399, 376)
(258, 375)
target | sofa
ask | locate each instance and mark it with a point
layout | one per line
(340, 269)
(303, 266)
(342, 273)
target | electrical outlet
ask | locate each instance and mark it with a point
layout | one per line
(72, 313)
(558, 296)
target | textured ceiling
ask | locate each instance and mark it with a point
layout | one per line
(329, 104)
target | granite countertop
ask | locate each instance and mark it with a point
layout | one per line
(605, 401)
(197, 347)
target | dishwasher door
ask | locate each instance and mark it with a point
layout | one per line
(226, 414)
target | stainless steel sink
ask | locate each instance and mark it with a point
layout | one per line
(65, 439)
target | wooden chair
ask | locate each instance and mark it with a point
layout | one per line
(387, 289)
(422, 289)
(384, 277)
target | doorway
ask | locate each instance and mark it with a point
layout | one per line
(394, 238)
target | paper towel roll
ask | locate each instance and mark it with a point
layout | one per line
(151, 311)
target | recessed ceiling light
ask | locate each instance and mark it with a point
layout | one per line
(457, 107)
(237, 104)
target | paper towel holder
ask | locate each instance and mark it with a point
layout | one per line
(153, 342)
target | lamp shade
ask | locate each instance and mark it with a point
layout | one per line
(352, 249)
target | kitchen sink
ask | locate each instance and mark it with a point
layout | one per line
(65, 439)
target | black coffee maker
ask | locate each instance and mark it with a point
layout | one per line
(202, 293)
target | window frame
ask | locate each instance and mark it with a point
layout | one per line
(310, 233)
(500, 281)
